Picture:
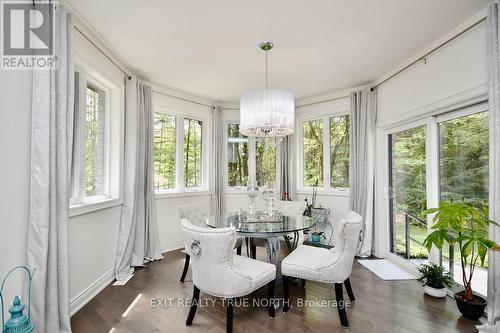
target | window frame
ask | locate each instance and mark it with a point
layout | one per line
(324, 116)
(98, 77)
(179, 146)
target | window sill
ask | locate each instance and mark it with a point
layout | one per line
(91, 206)
(167, 195)
(327, 192)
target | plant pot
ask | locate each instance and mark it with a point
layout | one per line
(435, 292)
(472, 310)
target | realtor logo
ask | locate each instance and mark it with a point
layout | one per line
(27, 35)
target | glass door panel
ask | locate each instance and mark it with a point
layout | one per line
(464, 172)
(408, 193)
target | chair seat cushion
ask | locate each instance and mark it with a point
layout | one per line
(259, 272)
(308, 262)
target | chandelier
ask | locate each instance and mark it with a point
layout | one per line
(267, 112)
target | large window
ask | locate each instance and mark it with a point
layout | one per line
(192, 153)
(325, 152)
(265, 162)
(237, 157)
(178, 153)
(164, 151)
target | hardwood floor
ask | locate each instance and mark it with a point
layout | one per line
(380, 306)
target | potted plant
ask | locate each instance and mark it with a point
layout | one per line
(435, 280)
(466, 226)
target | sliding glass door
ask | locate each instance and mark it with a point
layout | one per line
(408, 192)
(463, 175)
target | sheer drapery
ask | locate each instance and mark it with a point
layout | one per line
(138, 239)
(218, 204)
(51, 155)
(362, 162)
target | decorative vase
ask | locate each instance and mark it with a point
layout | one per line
(435, 292)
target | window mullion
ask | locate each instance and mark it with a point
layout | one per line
(252, 175)
(326, 152)
(180, 153)
(432, 175)
(82, 177)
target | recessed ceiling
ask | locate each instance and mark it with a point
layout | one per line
(210, 47)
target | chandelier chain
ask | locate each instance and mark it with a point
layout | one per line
(267, 73)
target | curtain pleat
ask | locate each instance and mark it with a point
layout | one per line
(218, 203)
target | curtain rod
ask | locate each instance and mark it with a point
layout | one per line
(432, 51)
(104, 53)
(182, 99)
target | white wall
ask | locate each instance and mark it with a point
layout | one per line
(15, 128)
(453, 77)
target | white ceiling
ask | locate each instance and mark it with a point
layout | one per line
(210, 47)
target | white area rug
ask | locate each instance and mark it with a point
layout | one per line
(386, 270)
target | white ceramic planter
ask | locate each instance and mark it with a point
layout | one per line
(438, 293)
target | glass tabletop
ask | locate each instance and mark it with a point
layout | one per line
(288, 224)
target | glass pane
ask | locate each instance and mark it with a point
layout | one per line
(164, 151)
(237, 156)
(464, 172)
(339, 151)
(192, 153)
(408, 198)
(313, 153)
(94, 141)
(265, 162)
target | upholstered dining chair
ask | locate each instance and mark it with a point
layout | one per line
(286, 208)
(197, 214)
(220, 273)
(332, 266)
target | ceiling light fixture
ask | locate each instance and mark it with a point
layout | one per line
(268, 112)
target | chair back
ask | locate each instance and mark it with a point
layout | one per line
(196, 213)
(346, 245)
(212, 265)
(291, 208)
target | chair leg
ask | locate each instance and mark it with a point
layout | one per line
(286, 293)
(339, 295)
(253, 249)
(270, 298)
(186, 267)
(302, 283)
(238, 250)
(348, 287)
(247, 246)
(229, 316)
(194, 305)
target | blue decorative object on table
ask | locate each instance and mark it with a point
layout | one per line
(18, 322)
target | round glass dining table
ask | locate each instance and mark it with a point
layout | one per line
(264, 229)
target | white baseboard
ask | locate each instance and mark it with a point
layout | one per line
(172, 246)
(91, 291)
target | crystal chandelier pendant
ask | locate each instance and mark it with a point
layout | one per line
(267, 112)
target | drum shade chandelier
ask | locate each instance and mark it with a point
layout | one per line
(268, 112)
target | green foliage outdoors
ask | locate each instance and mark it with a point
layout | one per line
(164, 151)
(94, 142)
(237, 157)
(265, 162)
(434, 276)
(192, 153)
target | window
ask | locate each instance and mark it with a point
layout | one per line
(96, 166)
(94, 141)
(313, 153)
(339, 151)
(192, 153)
(164, 151)
(265, 162)
(463, 174)
(237, 157)
(408, 193)
(325, 152)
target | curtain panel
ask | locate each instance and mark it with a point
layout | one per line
(218, 204)
(286, 167)
(138, 239)
(51, 156)
(493, 28)
(362, 162)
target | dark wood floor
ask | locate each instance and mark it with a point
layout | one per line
(380, 306)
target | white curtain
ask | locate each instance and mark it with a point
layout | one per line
(362, 162)
(218, 204)
(493, 323)
(138, 239)
(286, 182)
(51, 150)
